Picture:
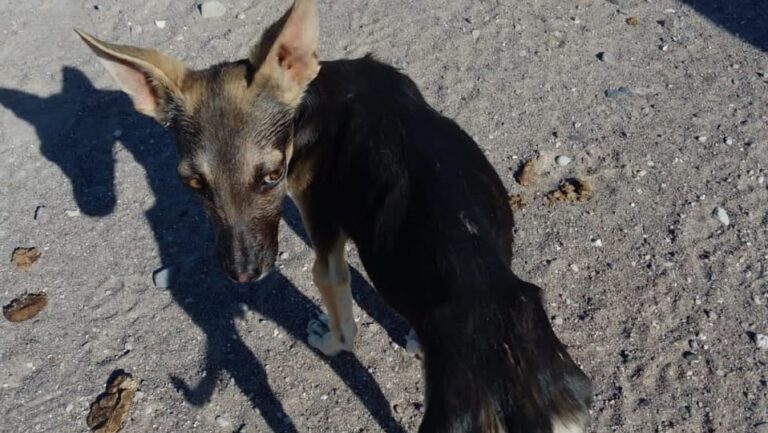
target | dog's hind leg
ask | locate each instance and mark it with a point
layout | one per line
(335, 332)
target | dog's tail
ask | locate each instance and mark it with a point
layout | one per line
(502, 370)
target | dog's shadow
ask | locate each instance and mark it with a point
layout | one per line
(77, 129)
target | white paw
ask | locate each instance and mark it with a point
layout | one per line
(412, 345)
(321, 338)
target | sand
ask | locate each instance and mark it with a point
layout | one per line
(658, 301)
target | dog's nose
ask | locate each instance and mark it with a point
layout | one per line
(244, 277)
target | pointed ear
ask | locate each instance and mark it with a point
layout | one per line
(151, 79)
(286, 56)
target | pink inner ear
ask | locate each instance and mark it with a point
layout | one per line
(135, 83)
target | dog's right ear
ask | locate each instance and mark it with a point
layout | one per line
(151, 79)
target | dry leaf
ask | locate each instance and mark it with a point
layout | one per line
(527, 174)
(24, 258)
(111, 408)
(516, 201)
(25, 307)
(570, 191)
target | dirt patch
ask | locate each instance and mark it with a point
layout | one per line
(111, 408)
(570, 191)
(25, 307)
(24, 258)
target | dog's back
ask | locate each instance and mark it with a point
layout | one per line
(430, 218)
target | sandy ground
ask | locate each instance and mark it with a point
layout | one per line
(659, 302)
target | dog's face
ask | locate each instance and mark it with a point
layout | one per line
(233, 126)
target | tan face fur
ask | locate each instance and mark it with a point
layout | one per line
(233, 126)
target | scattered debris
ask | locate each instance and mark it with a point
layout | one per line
(570, 190)
(721, 215)
(633, 21)
(526, 176)
(25, 307)
(110, 409)
(24, 258)
(516, 201)
(562, 160)
(212, 9)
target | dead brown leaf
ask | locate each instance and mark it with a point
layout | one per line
(633, 21)
(527, 174)
(24, 258)
(516, 201)
(570, 191)
(25, 307)
(111, 408)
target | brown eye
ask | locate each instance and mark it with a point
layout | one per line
(273, 177)
(195, 182)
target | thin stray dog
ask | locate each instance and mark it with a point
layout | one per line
(367, 159)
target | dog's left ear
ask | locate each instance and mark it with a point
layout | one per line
(286, 56)
(151, 79)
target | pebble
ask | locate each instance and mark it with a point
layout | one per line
(606, 57)
(161, 23)
(562, 160)
(623, 3)
(597, 243)
(691, 357)
(728, 141)
(762, 341)
(721, 215)
(118, 133)
(617, 92)
(72, 213)
(212, 9)
(162, 277)
(223, 422)
(241, 16)
(284, 255)
(475, 34)
(574, 267)
(702, 138)
(557, 320)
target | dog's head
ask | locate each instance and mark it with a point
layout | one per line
(233, 125)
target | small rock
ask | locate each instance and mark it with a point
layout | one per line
(284, 255)
(223, 422)
(691, 357)
(70, 407)
(597, 243)
(162, 277)
(761, 340)
(702, 138)
(606, 57)
(118, 133)
(623, 3)
(574, 267)
(241, 16)
(161, 23)
(562, 160)
(617, 92)
(720, 373)
(72, 213)
(721, 215)
(212, 9)
(475, 34)
(97, 7)
(728, 141)
(557, 320)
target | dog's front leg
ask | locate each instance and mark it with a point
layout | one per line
(335, 332)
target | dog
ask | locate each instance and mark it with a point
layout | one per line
(366, 159)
